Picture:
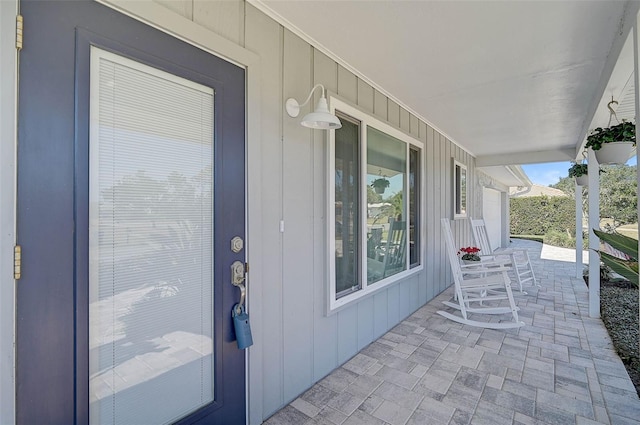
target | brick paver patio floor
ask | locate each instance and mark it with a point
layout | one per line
(560, 368)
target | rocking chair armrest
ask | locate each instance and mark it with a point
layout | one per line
(510, 251)
(485, 264)
(479, 270)
(485, 281)
(491, 258)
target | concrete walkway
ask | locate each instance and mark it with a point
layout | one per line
(558, 369)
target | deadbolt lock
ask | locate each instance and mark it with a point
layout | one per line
(237, 244)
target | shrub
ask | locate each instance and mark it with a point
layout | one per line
(538, 215)
(561, 239)
(605, 273)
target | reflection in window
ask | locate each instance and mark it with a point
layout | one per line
(460, 190)
(414, 207)
(347, 193)
(386, 218)
(151, 310)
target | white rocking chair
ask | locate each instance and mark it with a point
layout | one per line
(518, 258)
(471, 293)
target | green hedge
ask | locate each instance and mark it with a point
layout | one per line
(538, 215)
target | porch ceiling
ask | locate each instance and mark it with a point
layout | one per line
(512, 82)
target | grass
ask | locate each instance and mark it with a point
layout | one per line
(630, 230)
(536, 238)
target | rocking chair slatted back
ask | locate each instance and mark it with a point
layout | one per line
(519, 258)
(471, 293)
(395, 258)
(481, 237)
(452, 252)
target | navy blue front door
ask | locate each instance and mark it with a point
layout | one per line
(55, 223)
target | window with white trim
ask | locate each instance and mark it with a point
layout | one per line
(459, 190)
(374, 210)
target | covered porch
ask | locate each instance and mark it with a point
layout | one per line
(490, 86)
(559, 368)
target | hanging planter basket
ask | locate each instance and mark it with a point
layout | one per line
(613, 145)
(582, 180)
(579, 172)
(614, 153)
(379, 185)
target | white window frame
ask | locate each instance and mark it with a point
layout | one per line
(367, 120)
(456, 188)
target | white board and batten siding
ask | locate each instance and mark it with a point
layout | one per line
(296, 342)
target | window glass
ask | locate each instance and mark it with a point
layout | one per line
(346, 209)
(386, 198)
(414, 207)
(374, 212)
(151, 311)
(460, 189)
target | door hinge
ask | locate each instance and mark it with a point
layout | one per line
(19, 28)
(246, 268)
(17, 262)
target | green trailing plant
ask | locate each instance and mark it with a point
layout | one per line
(628, 268)
(381, 182)
(578, 170)
(623, 132)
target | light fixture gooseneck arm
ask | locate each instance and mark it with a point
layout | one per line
(292, 105)
(311, 94)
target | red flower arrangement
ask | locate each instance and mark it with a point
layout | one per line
(470, 253)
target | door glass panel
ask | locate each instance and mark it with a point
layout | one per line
(151, 243)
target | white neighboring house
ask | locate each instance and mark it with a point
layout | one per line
(377, 208)
(534, 190)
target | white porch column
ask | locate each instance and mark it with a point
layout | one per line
(594, 241)
(636, 77)
(579, 240)
(8, 64)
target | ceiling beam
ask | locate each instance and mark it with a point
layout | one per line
(555, 155)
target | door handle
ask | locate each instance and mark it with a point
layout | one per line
(237, 279)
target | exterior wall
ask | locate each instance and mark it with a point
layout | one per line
(304, 344)
(8, 11)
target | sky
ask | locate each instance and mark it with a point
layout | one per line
(550, 173)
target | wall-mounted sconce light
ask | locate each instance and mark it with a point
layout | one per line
(321, 118)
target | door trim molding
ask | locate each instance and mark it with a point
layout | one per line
(8, 143)
(188, 31)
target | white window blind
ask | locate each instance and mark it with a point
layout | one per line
(151, 243)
